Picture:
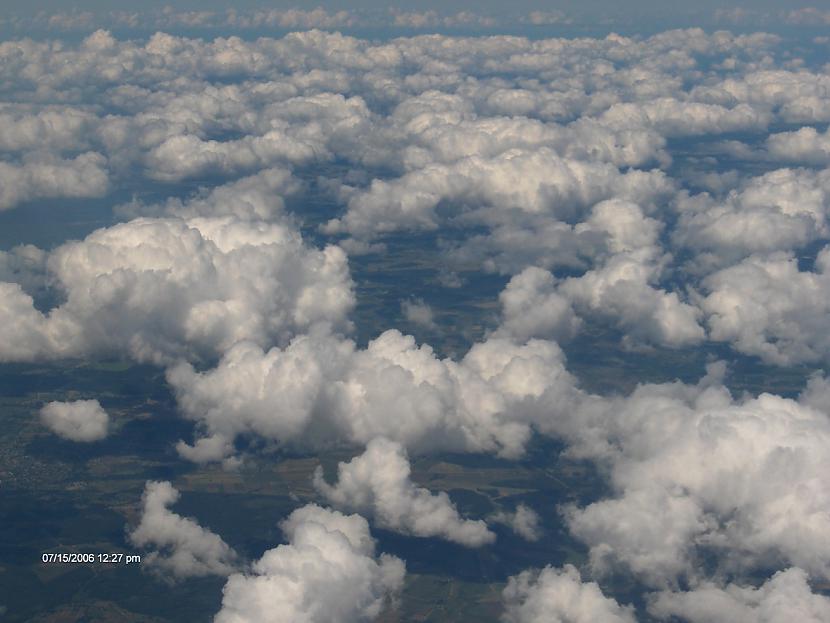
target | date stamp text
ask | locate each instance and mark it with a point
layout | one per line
(87, 558)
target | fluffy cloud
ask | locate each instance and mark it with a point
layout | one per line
(182, 548)
(42, 177)
(56, 128)
(378, 482)
(672, 118)
(277, 125)
(783, 596)
(24, 265)
(766, 306)
(167, 288)
(806, 145)
(622, 292)
(513, 183)
(697, 474)
(532, 307)
(816, 393)
(185, 156)
(783, 210)
(524, 521)
(795, 95)
(323, 390)
(23, 329)
(80, 420)
(439, 127)
(257, 197)
(327, 572)
(419, 313)
(625, 288)
(560, 596)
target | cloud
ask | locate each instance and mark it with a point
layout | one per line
(560, 595)
(300, 130)
(431, 19)
(816, 394)
(622, 292)
(66, 20)
(419, 313)
(487, 120)
(547, 18)
(624, 289)
(533, 308)
(24, 265)
(24, 330)
(510, 185)
(766, 306)
(795, 95)
(806, 145)
(321, 390)
(287, 19)
(697, 474)
(44, 177)
(673, 118)
(548, 161)
(378, 482)
(55, 128)
(256, 197)
(290, 19)
(415, 20)
(783, 210)
(783, 596)
(327, 572)
(80, 420)
(186, 156)
(524, 521)
(182, 548)
(161, 289)
(808, 16)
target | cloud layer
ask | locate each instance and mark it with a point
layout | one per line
(554, 154)
(670, 191)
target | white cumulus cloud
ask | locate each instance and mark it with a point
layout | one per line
(524, 521)
(784, 596)
(378, 483)
(560, 596)
(766, 306)
(321, 390)
(80, 420)
(167, 288)
(44, 177)
(181, 548)
(328, 572)
(697, 473)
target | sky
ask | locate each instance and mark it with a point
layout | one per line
(643, 11)
(419, 5)
(409, 246)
